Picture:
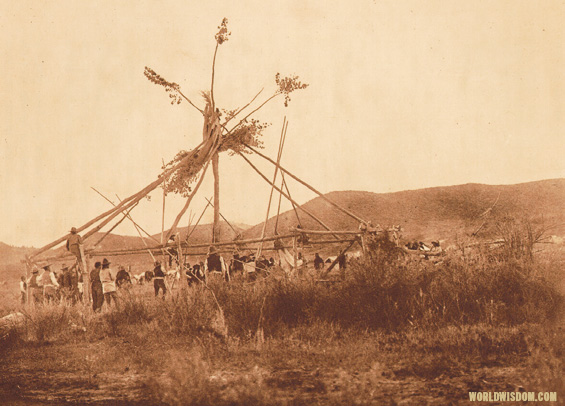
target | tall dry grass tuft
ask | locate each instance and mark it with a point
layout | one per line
(546, 364)
(186, 378)
(384, 292)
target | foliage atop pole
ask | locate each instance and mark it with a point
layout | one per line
(233, 140)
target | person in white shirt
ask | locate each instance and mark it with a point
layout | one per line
(108, 282)
(49, 283)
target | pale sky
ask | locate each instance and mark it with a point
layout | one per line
(403, 95)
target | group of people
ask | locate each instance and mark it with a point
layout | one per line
(104, 285)
(51, 286)
(68, 283)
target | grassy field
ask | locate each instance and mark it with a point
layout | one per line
(391, 330)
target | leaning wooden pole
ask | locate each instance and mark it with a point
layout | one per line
(198, 221)
(130, 218)
(110, 218)
(350, 214)
(163, 210)
(223, 217)
(139, 195)
(285, 195)
(288, 192)
(279, 208)
(137, 226)
(115, 225)
(279, 154)
(188, 200)
(327, 271)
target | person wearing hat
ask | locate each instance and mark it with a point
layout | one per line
(50, 284)
(159, 279)
(74, 242)
(96, 287)
(172, 252)
(108, 282)
(34, 287)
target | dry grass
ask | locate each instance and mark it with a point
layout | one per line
(389, 320)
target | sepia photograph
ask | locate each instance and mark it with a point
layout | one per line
(289, 203)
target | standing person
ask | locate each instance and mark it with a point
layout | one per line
(50, 284)
(34, 286)
(108, 284)
(213, 262)
(23, 289)
(96, 287)
(236, 264)
(73, 244)
(173, 253)
(159, 279)
(318, 262)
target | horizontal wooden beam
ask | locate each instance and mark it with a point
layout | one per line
(237, 244)
(321, 232)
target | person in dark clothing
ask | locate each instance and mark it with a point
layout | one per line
(69, 285)
(342, 262)
(237, 264)
(96, 287)
(159, 279)
(173, 253)
(122, 278)
(74, 242)
(318, 262)
(213, 261)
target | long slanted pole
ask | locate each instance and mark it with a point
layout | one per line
(350, 214)
(293, 205)
(130, 218)
(138, 228)
(279, 208)
(173, 229)
(163, 210)
(139, 195)
(198, 221)
(110, 218)
(222, 216)
(327, 271)
(284, 194)
(115, 225)
(279, 154)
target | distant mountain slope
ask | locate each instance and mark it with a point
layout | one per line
(440, 212)
(202, 234)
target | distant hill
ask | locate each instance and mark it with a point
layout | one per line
(434, 213)
(202, 234)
